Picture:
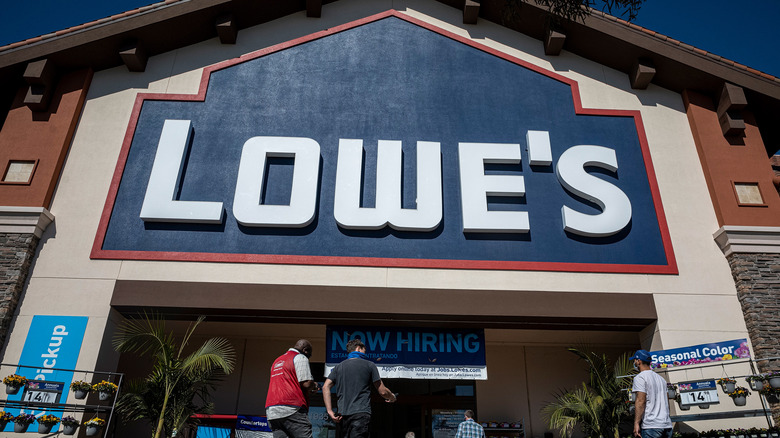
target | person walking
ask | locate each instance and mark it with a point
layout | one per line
(353, 379)
(469, 428)
(651, 408)
(287, 402)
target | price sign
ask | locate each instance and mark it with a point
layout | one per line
(703, 392)
(39, 391)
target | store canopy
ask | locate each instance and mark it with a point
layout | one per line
(413, 353)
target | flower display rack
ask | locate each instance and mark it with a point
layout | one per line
(65, 392)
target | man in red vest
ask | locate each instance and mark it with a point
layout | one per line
(287, 403)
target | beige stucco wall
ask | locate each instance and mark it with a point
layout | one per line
(699, 305)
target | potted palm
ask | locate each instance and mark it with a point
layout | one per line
(22, 422)
(105, 389)
(739, 395)
(80, 389)
(5, 417)
(773, 378)
(755, 381)
(46, 422)
(727, 384)
(599, 404)
(13, 383)
(93, 425)
(69, 425)
(671, 391)
(166, 398)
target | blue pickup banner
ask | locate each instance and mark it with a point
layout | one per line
(413, 353)
(703, 353)
(52, 342)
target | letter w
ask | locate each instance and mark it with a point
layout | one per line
(428, 214)
(376, 342)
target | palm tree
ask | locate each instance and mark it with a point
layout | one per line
(168, 395)
(599, 406)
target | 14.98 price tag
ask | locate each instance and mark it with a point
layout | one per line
(703, 392)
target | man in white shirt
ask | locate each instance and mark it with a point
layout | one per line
(651, 417)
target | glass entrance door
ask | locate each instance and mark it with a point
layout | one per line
(416, 401)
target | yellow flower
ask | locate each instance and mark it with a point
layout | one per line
(15, 380)
(727, 357)
(96, 421)
(104, 386)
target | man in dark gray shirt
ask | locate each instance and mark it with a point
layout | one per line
(353, 380)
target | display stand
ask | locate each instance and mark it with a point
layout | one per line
(47, 396)
(507, 432)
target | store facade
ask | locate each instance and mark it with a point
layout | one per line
(382, 170)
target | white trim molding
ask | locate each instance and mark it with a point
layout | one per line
(741, 239)
(24, 220)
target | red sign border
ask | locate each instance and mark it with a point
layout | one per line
(99, 253)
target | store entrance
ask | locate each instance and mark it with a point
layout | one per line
(417, 401)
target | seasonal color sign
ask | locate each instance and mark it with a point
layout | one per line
(704, 353)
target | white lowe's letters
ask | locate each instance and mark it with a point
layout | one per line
(159, 203)
(615, 205)
(249, 186)
(346, 208)
(475, 187)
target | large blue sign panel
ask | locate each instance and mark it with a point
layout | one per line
(386, 142)
(53, 343)
(413, 353)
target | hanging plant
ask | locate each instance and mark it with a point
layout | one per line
(46, 423)
(22, 422)
(80, 389)
(13, 383)
(770, 393)
(105, 389)
(756, 381)
(728, 384)
(93, 425)
(739, 395)
(671, 391)
(773, 377)
(5, 417)
(69, 425)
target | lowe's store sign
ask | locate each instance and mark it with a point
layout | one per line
(386, 143)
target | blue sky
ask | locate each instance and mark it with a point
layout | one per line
(745, 31)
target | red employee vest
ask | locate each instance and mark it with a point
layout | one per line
(284, 388)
